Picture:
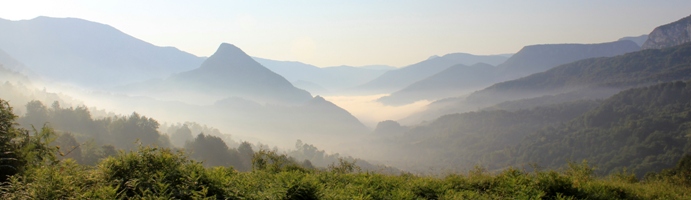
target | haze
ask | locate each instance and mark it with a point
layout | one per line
(362, 32)
(426, 87)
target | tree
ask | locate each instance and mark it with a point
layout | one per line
(211, 150)
(20, 150)
(181, 135)
(68, 147)
(36, 114)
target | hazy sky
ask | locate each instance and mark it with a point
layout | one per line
(354, 32)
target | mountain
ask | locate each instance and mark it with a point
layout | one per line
(538, 58)
(330, 78)
(229, 72)
(378, 67)
(628, 70)
(400, 78)
(313, 88)
(230, 90)
(12, 66)
(594, 77)
(87, 53)
(453, 81)
(460, 80)
(641, 129)
(639, 40)
(669, 35)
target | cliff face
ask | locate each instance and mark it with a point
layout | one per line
(669, 35)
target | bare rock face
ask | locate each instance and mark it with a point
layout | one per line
(669, 35)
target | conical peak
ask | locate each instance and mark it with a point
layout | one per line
(229, 56)
(228, 49)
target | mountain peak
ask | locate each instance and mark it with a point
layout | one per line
(228, 55)
(228, 48)
(231, 71)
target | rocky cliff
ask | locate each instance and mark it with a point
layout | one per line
(669, 35)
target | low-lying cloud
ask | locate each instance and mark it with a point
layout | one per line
(370, 112)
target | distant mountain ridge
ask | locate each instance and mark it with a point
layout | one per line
(330, 78)
(460, 80)
(87, 53)
(632, 69)
(639, 40)
(668, 35)
(455, 80)
(538, 58)
(394, 80)
(603, 75)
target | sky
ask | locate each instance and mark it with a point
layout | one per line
(357, 32)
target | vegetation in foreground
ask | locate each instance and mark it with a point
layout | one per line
(155, 173)
(31, 171)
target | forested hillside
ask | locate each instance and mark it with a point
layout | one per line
(625, 71)
(460, 141)
(591, 78)
(643, 130)
(31, 170)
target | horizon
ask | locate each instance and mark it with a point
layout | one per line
(363, 33)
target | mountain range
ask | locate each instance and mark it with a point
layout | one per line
(326, 80)
(228, 90)
(88, 54)
(639, 40)
(453, 81)
(461, 80)
(394, 80)
(229, 72)
(599, 77)
(611, 102)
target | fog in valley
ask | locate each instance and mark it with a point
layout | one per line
(619, 99)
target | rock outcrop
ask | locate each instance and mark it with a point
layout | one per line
(669, 35)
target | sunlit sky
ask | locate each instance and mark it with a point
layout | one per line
(355, 32)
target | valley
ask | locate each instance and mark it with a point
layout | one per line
(83, 103)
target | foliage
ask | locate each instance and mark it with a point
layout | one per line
(122, 132)
(460, 141)
(643, 130)
(630, 70)
(19, 150)
(161, 173)
(156, 173)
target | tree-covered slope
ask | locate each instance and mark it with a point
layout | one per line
(643, 129)
(162, 173)
(625, 71)
(460, 141)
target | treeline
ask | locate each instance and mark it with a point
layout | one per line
(459, 142)
(32, 170)
(641, 130)
(87, 140)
